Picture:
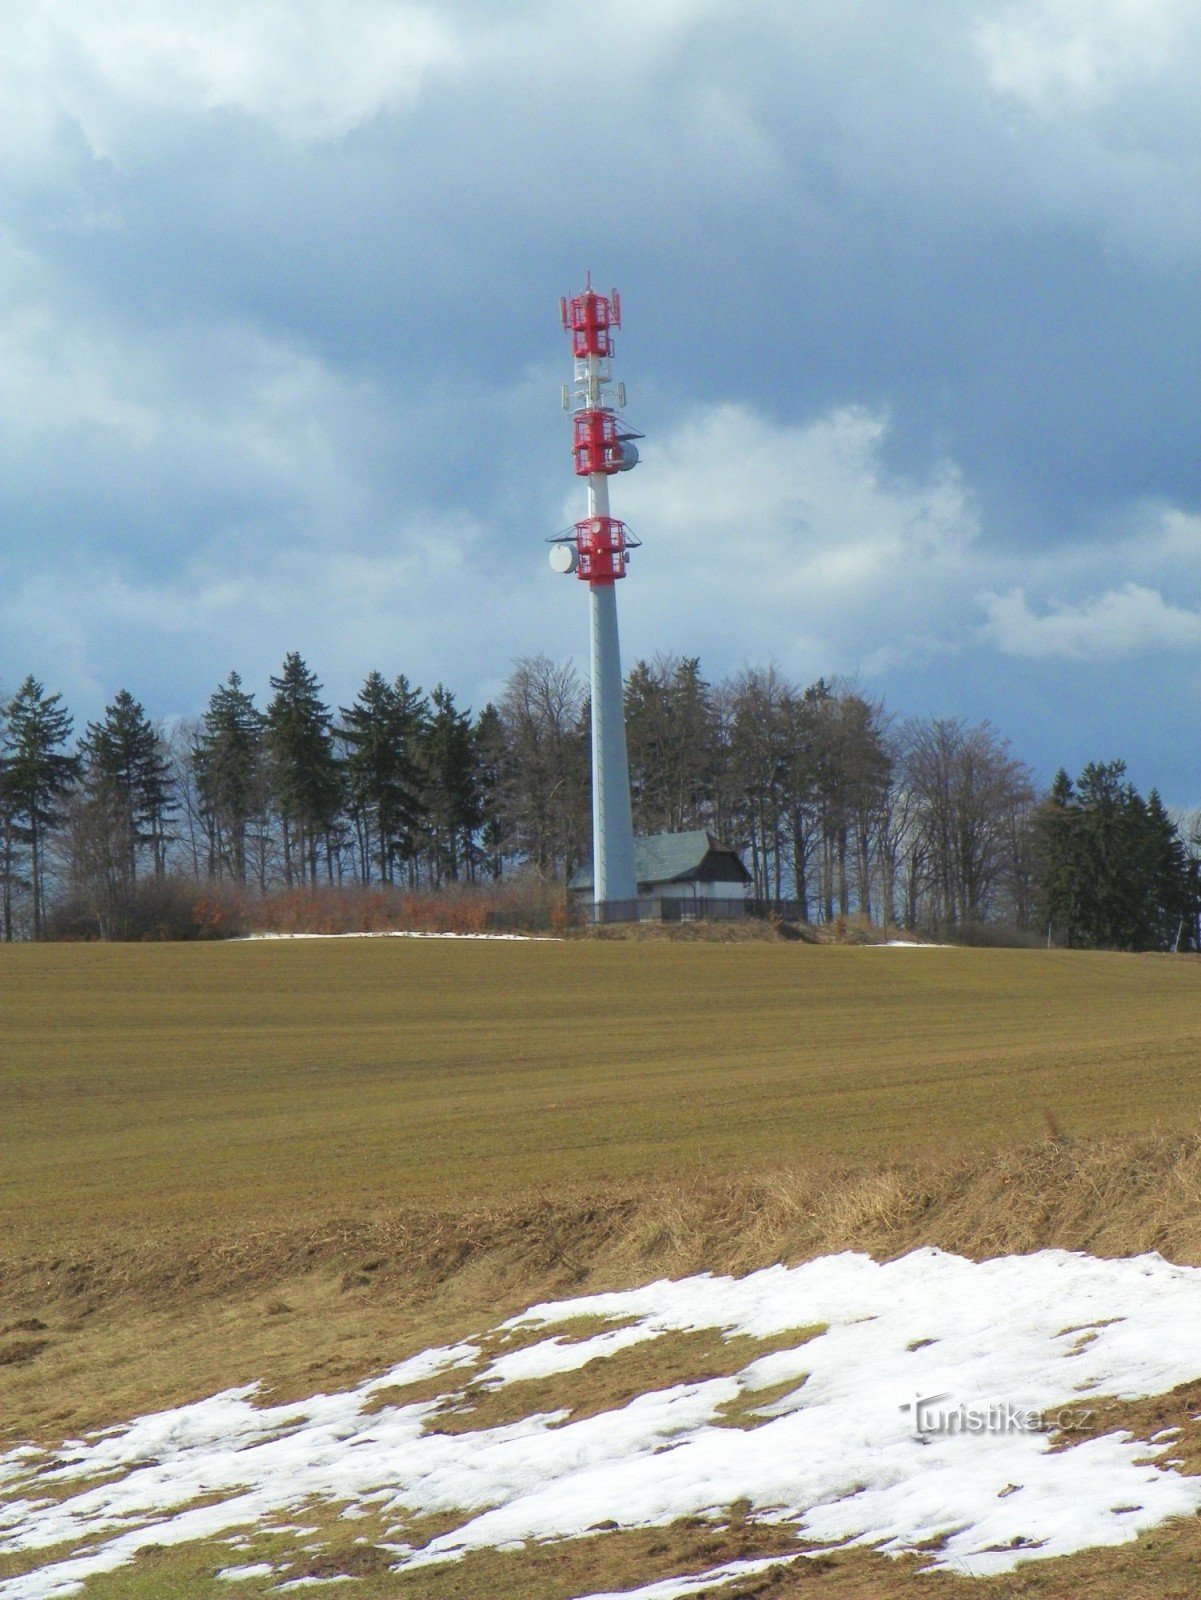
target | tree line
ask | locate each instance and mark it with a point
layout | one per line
(838, 807)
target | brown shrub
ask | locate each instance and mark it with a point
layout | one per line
(166, 908)
(519, 906)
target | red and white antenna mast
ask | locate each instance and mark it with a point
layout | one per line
(597, 550)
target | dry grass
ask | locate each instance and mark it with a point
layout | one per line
(1177, 1412)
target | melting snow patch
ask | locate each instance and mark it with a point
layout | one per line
(678, 1588)
(313, 1583)
(405, 933)
(919, 1418)
(257, 1569)
(908, 944)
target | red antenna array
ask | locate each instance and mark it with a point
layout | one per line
(601, 444)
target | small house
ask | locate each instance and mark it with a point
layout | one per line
(690, 874)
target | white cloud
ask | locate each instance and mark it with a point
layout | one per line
(819, 489)
(1176, 536)
(162, 422)
(792, 540)
(315, 69)
(307, 68)
(1076, 52)
(877, 104)
(1122, 622)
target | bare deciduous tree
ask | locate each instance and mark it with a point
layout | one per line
(545, 779)
(969, 789)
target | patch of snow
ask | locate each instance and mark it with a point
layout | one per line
(552, 1356)
(678, 1588)
(404, 933)
(312, 1583)
(257, 1569)
(907, 944)
(848, 1455)
(426, 1364)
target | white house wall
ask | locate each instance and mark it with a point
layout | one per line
(694, 891)
(724, 891)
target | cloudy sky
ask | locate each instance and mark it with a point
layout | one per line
(911, 307)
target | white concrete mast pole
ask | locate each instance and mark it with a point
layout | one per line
(613, 876)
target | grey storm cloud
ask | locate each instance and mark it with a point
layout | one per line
(912, 331)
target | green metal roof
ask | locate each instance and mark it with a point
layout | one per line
(672, 857)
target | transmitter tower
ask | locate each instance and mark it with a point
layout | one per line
(597, 550)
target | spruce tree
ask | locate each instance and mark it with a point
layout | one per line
(127, 777)
(1055, 825)
(451, 797)
(382, 731)
(488, 741)
(407, 820)
(227, 759)
(1111, 882)
(306, 779)
(1114, 872)
(37, 774)
(10, 876)
(1169, 878)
